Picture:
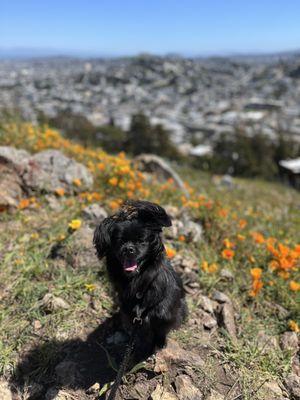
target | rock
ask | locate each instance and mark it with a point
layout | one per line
(220, 297)
(215, 396)
(174, 231)
(142, 389)
(192, 231)
(53, 202)
(67, 373)
(227, 319)
(5, 393)
(206, 304)
(265, 342)
(52, 303)
(15, 156)
(94, 389)
(154, 164)
(80, 252)
(272, 390)
(172, 211)
(50, 169)
(185, 388)
(160, 393)
(289, 342)
(10, 185)
(174, 355)
(36, 324)
(208, 321)
(292, 383)
(226, 274)
(94, 213)
(227, 181)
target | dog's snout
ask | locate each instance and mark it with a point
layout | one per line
(129, 249)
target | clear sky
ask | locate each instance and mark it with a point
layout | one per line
(120, 27)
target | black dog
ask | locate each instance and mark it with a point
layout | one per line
(148, 288)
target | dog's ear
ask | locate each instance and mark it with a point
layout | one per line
(151, 213)
(101, 238)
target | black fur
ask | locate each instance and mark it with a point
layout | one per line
(147, 285)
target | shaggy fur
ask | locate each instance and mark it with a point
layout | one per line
(146, 284)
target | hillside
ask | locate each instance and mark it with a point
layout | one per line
(236, 246)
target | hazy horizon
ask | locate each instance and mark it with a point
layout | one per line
(125, 28)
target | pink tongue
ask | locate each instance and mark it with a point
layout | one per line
(130, 266)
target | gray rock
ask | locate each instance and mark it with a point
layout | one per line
(161, 393)
(192, 231)
(271, 390)
(225, 273)
(185, 388)
(227, 319)
(208, 321)
(80, 252)
(10, 185)
(292, 383)
(215, 396)
(15, 156)
(50, 169)
(52, 303)
(220, 297)
(206, 304)
(94, 213)
(289, 342)
(156, 165)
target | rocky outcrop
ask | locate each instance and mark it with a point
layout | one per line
(44, 172)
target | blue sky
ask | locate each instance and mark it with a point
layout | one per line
(101, 27)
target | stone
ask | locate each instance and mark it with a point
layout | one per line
(206, 304)
(160, 393)
(292, 383)
(52, 303)
(50, 169)
(5, 393)
(215, 396)
(185, 388)
(227, 319)
(174, 355)
(154, 164)
(220, 297)
(208, 321)
(94, 214)
(15, 156)
(53, 202)
(226, 274)
(36, 324)
(271, 390)
(10, 185)
(94, 389)
(172, 211)
(289, 342)
(80, 251)
(192, 231)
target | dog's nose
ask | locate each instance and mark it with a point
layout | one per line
(130, 249)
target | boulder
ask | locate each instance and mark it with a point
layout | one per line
(50, 169)
(160, 168)
(292, 383)
(10, 185)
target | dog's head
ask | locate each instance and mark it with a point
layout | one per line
(131, 239)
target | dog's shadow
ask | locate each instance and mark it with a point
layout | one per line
(75, 364)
